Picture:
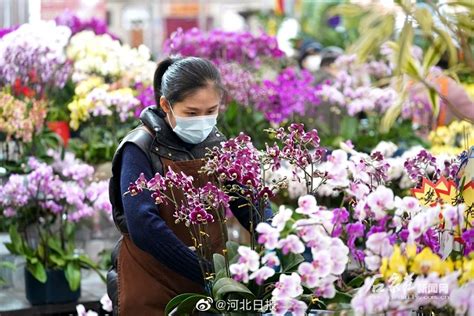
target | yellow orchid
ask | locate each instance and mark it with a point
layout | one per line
(79, 111)
(452, 139)
(467, 270)
(427, 262)
(395, 267)
(86, 86)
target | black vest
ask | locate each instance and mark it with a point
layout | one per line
(158, 141)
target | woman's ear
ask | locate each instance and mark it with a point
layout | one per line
(165, 105)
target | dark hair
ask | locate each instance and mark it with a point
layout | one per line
(178, 77)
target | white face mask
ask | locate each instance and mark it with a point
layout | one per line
(194, 130)
(312, 62)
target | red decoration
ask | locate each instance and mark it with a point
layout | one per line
(62, 129)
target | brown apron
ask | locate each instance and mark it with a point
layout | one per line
(145, 285)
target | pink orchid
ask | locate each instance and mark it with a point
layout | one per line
(289, 286)
(291, 244)
(280, 306)
(262, 274)
(297, 307)
(106, 303)
(249, 258)
(319, 243)
(271, 260)
(308, 274)
(325, 287)
(358, 190)
(339, 253)
(379, 244)
(372, 262)
(239, 272)
(454, 215)
(280, 219)
(309, 230)
(268, 235)
(307, 205)
(381, 200)
(418, 225)
(462, 299)
(322, 263)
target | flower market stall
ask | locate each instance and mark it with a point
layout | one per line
(358, 174)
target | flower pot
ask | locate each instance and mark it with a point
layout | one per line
(55, 291)
(62, 129)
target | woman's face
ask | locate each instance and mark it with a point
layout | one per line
(204, 101)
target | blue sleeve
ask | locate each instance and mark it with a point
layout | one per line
(147, 229)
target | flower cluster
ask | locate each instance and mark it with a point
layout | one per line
(76, 24)
(101, 101)
(199, 204)
(224, 47)
(351, 88)
(452, 139)
(21, 119)
(146, 96)
(285, 235)
(426, 165)
(411, 280)
(21, 67)
(238, 161)
(52, 193)
(240, 83)
(106, 57)
(291, 93)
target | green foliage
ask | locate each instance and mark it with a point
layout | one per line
(237, 118)
(53, 251)
(60, 98)
(443, 30)
(365, 133)
(6, 265)
(314, 24)
(97, 141)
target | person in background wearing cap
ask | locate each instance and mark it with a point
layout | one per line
(310, 55)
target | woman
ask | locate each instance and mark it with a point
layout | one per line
(153, 261)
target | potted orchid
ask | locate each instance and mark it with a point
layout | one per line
(266, 271)
(319, 258)
(44, 207)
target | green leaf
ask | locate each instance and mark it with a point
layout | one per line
(434, 99)
(340, 298)
(452, 51)
(219, 262)
(11, 248)
(58, 261)
(37, 270)
(291, 261)
(16, 243)
(424, 19)
(433, 54)
(391, 115)
(411, 68)
(346, 10)
(404, 44)
(55, 245)
(7, 265)
(349, 126)
(87, 261)
(357, 281)
(232, 248)
(178, 300)
(225, 286)
(73, 275)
